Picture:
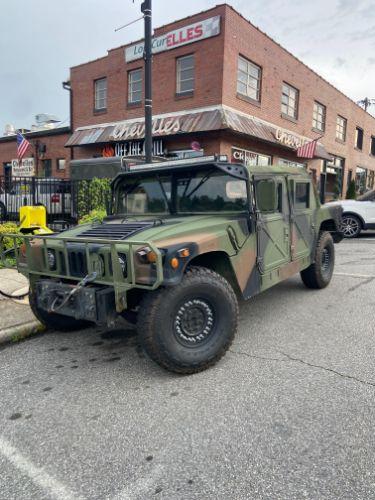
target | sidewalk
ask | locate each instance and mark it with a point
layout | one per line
(16, 319)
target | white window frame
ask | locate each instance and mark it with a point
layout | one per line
(135, 76)
(291, 95)
(319, 116)
(179, 74)
(341, 127)
(58, 167)
(253, 83)
(100, 93)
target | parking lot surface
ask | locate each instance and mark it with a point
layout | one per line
(288, 413)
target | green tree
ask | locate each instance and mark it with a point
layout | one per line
(351, 192)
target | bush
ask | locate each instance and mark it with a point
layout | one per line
(93, 216)
(10, 228)
(351, 193)
(93, 196)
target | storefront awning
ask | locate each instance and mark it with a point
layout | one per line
(197, 120)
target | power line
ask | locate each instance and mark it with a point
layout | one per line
(129, 24)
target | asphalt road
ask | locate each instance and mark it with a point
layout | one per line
(288, 413)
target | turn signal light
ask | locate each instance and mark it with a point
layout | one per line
(174, 263)
(184, 252)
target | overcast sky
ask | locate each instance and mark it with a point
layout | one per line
(41, 39)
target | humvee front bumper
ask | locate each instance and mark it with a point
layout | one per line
(59, 259)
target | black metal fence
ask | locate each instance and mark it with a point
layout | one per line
(66, 201)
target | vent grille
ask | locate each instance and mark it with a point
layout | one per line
(115, 231)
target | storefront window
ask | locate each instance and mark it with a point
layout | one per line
(334, 171)
(371, 180)
(360, 180)
(250, 157)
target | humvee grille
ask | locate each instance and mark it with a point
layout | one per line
(115, 231)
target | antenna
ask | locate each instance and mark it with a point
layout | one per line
(366, 103)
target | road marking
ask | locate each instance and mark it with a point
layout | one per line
(363, 276)
(37, 474)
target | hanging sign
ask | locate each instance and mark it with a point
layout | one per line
(26, 169)
(177, 38)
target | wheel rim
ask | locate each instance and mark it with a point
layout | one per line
(194, 322)
(350, 227)
(326, 262)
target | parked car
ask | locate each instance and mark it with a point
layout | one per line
(358, 215)
(53, 194)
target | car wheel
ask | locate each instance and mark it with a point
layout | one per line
(319, 273)
(351, 226)
(189, 327)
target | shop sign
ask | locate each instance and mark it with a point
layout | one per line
(160, 126)
(289, 139)
(177, 38)
(26, 169)
(250, 158)
(137, 148)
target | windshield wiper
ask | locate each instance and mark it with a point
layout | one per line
(203, 181)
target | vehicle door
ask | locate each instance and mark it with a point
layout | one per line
(303, 206)
(366, 209)
(273, 222)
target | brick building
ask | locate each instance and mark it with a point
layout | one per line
(47, 156)
(220, 85)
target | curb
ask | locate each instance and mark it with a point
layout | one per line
(20, 332)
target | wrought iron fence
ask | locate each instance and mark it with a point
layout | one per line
(66, 201)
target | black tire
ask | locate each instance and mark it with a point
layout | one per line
(189, 327)
(55, 321)
(351, 226)
(319, 274)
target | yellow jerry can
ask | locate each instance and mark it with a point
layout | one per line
(33, 220)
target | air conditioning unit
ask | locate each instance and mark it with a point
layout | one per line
(9, 129)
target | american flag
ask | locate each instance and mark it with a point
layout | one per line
(308, 149)
(22, 145)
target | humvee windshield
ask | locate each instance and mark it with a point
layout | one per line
(198, 191)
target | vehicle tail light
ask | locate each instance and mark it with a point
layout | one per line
(55, 198)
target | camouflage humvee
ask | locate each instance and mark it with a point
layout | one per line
(184, 241)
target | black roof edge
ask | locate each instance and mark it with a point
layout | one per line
(37, 133)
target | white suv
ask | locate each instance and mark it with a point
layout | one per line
(358, 215)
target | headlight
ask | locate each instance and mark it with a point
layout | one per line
(51, 257)
(123, 263)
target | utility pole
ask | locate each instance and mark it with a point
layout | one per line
(146, 9)
(366, 103)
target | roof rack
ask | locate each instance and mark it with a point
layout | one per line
(174, 163)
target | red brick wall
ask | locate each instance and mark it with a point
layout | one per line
(278, 65)
(208, 78)
(55, 150)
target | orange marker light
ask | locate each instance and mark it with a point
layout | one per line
(174, 263)
(184, 252)
(152, 257)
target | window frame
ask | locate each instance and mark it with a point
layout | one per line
(58, 168)
(359, 129)
(308, 195)
(341, 129)
(189, 91)
(249, 77)
(97, 98)
(315, 121)
(131, 92)
(295, 109)
(372, 145)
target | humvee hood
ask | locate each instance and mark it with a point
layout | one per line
(165, 232)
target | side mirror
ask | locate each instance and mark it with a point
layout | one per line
(266, 196)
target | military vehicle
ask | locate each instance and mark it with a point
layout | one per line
(183, 242)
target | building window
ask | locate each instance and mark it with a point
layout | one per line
(185, 74)
(319, 117)
(372, 151)
(250, 158)
(360, 180)
(60, 163)
(135, 83)
(341, 128)
(334, 171)
(249, 79)
(359, 138)
(289, 101)
(100, 94)
(46, 168)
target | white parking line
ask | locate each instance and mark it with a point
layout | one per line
(350, 275)
(38, 475)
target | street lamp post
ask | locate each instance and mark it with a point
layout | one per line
(147, 12)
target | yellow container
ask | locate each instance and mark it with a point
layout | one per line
(31, 217)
